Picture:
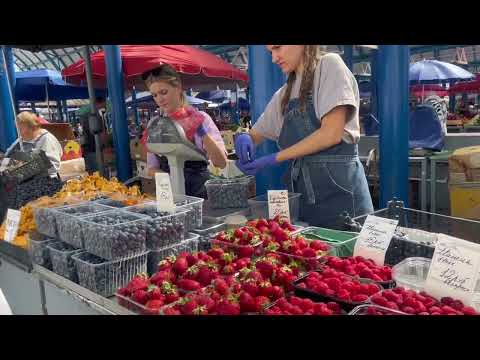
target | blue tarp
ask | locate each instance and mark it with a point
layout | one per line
(33, 85)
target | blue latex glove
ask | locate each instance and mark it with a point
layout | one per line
(252, 167)
(245, 148)
(202, 130)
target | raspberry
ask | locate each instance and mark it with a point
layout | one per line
(433, 309)
(448, 309)
(468, 310)
(457, 305)
(334, 307)
(333, 283)
(392, 305)
(372, 289)
(375, 277)
(398, 290)
(343, 295)
(379, 300)
(408, 310)
(446, 300)
(359, 298)
(423, 313)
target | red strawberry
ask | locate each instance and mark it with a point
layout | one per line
(226, 258)
(238, 233)
(191, 273)
(261, 302)
(265, 289)
(226, 307)
(228, 270)
(140, 296)
(188, 305)
(172, 311)
(408, 310)
(246, 251)
(221, 286)
(317, 245)
(155, 293)
(180, 266)
(200, 310)
(280, 235)
(154, 305)
(191, 259)
(265, 268)
(161, 276)
(333, 283)
(164, 265)
(189, 285)
(247, 302)
(255, 275)
(124, 292)
(309, 253)
(207, 301)
(205, 276)
(215, 253)
(306, 304)
(241, 263)
(277, 292)
(392, 305)
(139, 282)
(250, 287)
(170, 298)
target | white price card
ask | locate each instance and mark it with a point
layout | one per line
(4, 164)
(164, 192)
(454, 269)
(13, 220)
(4, 307)
(278, 204)
(374, 239)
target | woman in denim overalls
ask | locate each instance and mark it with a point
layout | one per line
(321, 149)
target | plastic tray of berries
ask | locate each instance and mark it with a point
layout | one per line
(419, 303)
(194, 207)
(37, 246)
(189, 244)
(244, 241)
(228, 193)
(163, 228)
(62, 263)
(331, 285)
(45, 216)
(69, 227)
(374, 310)
(293, 305)
(362, 268)
(209, 228)
(115, 234)
(104, 277)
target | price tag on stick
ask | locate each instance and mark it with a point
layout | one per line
(13, 220)
(278, 204)
(374, 239)
(454, 269)
(4, 164)
(164, 193)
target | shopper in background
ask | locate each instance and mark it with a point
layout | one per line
(166, 87)
(88, 138)
(314, 119)
(36, 138)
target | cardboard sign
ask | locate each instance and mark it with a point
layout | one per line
(12, 222)
(278, 204)
(4, 164)
(374, 239)
(454, 269)
(164, 192)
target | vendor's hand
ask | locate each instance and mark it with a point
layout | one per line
(253, 167)
(245, 148)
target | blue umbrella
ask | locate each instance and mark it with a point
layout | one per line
(434, 71)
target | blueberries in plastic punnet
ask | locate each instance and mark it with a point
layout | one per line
(224, 194)
(45, 221)
(39, 251)
(114, 235)
(194, 213)
(62, 262)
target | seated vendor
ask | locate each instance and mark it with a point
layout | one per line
(34, 137)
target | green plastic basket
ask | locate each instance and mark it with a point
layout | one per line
(343, 242)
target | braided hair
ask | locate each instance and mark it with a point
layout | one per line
(310, 61)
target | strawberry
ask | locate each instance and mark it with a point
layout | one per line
(265, 289)
(180, 266)
(172, 311)
(392, 305)
(317, 245)
(227, 307)
(246, 251)
(154, 304)
(188, 305)
(228, 270)
(189, 285)
(155, 293)
(161, 276)
(215, 253)
(255, 275)
(191, 273)
(247, 302)
(305, 304)
(277, 292)
(165, 265)
(226, 258)
(124, 292)
(221, 286)
(192, 259)
(139, 282)
(309, 253)
(379, 300)
(241, 263)
(238, 233)
(140, 296)
(280, 235)
(301, 242)
(200, 310)
(205, 276)
(261, 302)
(334, 307)
(265, 268)
(250, 287)
(408, 310)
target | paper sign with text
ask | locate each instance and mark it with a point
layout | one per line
(4, 307)
(4, 164)
(374, 239)
(164, 193)
(278, 204)
(13, 220)
(454, 269)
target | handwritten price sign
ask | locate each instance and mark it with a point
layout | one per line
(4, 164)
(374, 239)
(278, 204)
(164, 192)
(13, 220)
(454, 269)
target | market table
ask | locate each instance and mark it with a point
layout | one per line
(439, 158)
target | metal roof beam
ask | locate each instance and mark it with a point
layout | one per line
(59, 57)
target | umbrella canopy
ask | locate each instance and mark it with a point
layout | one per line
(146, 96)
(215, 95)
(424, 90)
(34, 85)
(466, 87)
(200, 69)
(434, 71)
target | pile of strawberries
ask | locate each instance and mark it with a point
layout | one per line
(380, 311)
(334, 284)
(361, 267)
(297, 306)
(411, 302)
(243, 241)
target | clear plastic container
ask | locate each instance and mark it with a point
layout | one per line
(68, 218)
(411, 273)
(39, 252)
(194, 206)
(259, 206)
(379, 310)
(117, 200)
(45, 216)
(105, 277)
(190, 244)
(208, 228)
(163, 228)
(343, 242)
(62, 262)
(228, 193)
(115, 234)
(135, 307)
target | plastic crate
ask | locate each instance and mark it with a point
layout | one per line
(228, 193)
(104, 277)
(411, 273)
(115, 234)
(67, 218)
(39, 252)
(194, 206)
(259, 206)
(208, 228)
(36, 164)
(190, 244)
(62, 262)
(363, 310)
(163, 228)
(343, 242)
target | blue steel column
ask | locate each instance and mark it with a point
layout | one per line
(373, 84)
(265, 79)
(8, 132)
(392, 78)
(134, 106)
(11, 73)
(348, 56)
(113, 63)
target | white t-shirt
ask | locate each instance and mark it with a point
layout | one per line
(333, 85)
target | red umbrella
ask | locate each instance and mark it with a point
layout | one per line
(200, 69)
(467, 86)
(420, 90)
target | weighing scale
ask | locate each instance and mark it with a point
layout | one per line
(167, 138)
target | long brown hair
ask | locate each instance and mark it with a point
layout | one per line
(310, 60)
(165, 73)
